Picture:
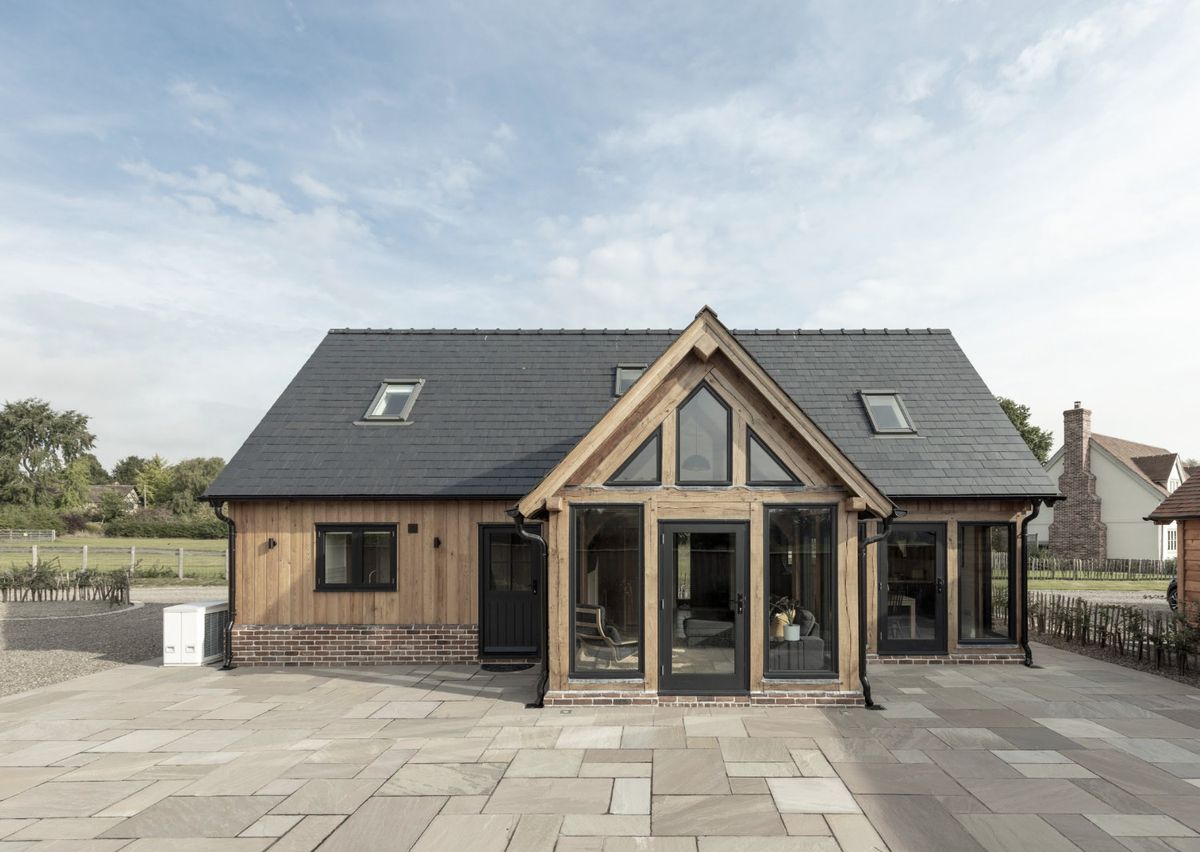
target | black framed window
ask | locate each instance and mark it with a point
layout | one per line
(800, 584)
(763, 467)
(644, 466)
(986, 580)
(607, 588)
(394, 401)
(356, 556)
(704, 432)
(625, 376)
(887, 412)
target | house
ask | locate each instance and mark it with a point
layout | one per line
(1109, 486)
(668, 514)
(127, 493)
(1182, 510)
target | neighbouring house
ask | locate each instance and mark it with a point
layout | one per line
(1182, 510)
(654, 515)
(127, 493)
(1109, 486)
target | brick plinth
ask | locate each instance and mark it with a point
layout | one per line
(619, 698)
(354, 644)
(953, 659)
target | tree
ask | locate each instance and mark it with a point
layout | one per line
(189, 478)
(1039, 440)
(111, 506)
(154, 481)
(128, 469)
(37, 444)
(96, 473)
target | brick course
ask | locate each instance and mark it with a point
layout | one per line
(354, 644)
(620, 698)
(952, 659)
(1077, 531)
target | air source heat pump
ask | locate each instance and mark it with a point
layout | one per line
(194, 633)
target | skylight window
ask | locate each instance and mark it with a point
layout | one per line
(626, 375)
(395, 400)
(887, 412)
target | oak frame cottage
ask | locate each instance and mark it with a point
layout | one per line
(695, 516)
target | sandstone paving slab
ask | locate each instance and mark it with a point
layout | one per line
(393, 823)
(307, 834)
(594, 736)
(214, 740)
(195, 816)
(68, 798)
(245, 775)
(715, 815)
(630, 796)
(328, 796)
(1015, 833)
(360, 751)
(200, 844)
(854, 833)
(967, 738)
(606, 825)
(898, 778)
(1141, 825)
(477, 832)
(272, 825)
(646, 844)
(917, 824)
(42, 730)
(115, 767)
(443, 779)
(812, 796)
(767, 844)
(464, 805)
(987, 718)
(551, 796)
(714, 726)
(545, 763)
(615, 770)
(11, 824)
(1152, 750)
(1034, 796)
(65, 828)
(1036, 738)
(405, 710)
(812, 763)
(1130, 773)
(449, 750)
(144, 798)
(689, 772)
(1053, 770)
(386, 764)
(855, 750)
(530, 736)
(46, 753)
(754, 749)
(535, 833)
(653, 736)
(761, 770)
(1076, 728)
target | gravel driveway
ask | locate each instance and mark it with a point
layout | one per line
(37, 652)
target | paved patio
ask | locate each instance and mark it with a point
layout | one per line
(1078, 754)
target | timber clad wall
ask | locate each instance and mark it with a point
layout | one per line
(1188, 556)
(434, 585)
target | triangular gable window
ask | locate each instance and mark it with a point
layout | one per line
(705, 427)
(763, 466)
(644, 467)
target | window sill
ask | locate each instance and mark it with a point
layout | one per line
(382, 422)
(800, 677)
(578, 679)
(355, 589)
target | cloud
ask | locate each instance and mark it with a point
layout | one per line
(917, 80)
(317, 190)
(197, 98)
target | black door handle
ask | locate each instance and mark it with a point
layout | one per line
(533, 585)
(941, 585)
(741, 603)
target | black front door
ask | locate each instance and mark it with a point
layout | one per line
(912, 590)
(703, 635)
(509, 607)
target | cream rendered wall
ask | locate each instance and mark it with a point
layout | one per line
(1124, 502)
(1041, 524)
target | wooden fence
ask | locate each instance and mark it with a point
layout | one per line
(48, 582)
(138, 561)
(1050, 568)
(1162, 639)
(28, 535)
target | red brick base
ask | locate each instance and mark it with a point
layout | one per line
(806, 698)
(354, 644)
(952, 659)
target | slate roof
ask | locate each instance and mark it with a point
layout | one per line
(1152, 464)
(1184, 502)
(500, 408)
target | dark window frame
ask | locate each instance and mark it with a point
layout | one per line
(617, 377)
(910, 429)
(728, 480)
(612, 674)
(655, 435)
(1012, 583)
(405, 414)
(356, 557)
(751, 435)
(823, 674)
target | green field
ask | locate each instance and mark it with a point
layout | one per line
(1158, 585)
(155, 560)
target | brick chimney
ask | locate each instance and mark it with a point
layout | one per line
(1077, 532)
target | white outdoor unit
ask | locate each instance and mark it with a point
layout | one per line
(194, 633)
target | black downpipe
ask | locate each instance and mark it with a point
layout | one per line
(232, 579)
(863, 544)
(544, 586)
(1037, 507)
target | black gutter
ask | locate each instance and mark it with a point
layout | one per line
(231, 579)
(1024, 639)
(544, 585)
(863, 544)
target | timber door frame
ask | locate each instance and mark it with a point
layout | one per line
(538, 579)
(737, 683)
(937, 646)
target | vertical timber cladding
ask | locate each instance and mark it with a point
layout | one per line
(435, 585)
(736, 502)
(950, 512)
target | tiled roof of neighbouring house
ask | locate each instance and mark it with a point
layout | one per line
(97, 491)
(1153, 464)
(1184, 502)
(500, 408)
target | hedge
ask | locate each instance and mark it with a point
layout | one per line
(16, 517)
(133, 526)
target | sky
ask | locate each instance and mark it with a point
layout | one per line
(192, 193)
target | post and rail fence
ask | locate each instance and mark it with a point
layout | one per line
(1055, 568)
(28, 535)
(145, 562)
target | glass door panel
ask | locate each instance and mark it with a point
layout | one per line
(703, 628)
(912, 590)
